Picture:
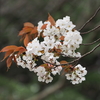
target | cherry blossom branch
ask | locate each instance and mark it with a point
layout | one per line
(86, 44)
(55, 43)
(91, 30)
(90, 19)
(75, 59)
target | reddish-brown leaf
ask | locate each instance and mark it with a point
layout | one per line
(20, 50)
(9, 62)
(10, 53)
(7, 48)
(26, 40)
(28, 24)
(25, 30)
(44, 26)
(63, 62)
(34, 30)
(62, 37)
(51, 20)
(7, 54)
(35, 35)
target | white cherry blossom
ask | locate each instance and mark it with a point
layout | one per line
(46, 50)
(77, 76)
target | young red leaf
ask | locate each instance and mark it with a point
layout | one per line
(63, 62)
(26, 40)
(7, 48)
(51, 20)
(20, 50)
(62, 37)
(34, 30)
(28, 24)
(9, 62)
(25, 30)
(7, 54)
(34, 36)
(44, 26)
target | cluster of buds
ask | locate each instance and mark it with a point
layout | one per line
(48, 42)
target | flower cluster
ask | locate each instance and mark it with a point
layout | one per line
(44, 74)
(77, 76)
(62, 36)
(59, 38)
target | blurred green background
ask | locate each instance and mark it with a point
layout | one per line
(21, 84)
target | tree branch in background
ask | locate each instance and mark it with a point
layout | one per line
(86, 44)
(91, 30)
(83, 55)
(91, 50)
(90, 19)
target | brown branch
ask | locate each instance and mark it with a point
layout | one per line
(91, 51)
(83, 55)
(91, 30)
(49, 90)
(90, 19)
(86, 44)
(71, 62)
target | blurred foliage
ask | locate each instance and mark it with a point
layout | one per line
(14, 90)
(18, 83)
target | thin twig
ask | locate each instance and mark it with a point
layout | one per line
(75, 59)
(81, 56)
(90, 19)
(91, 30)
(86, 44)
(91, 51)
